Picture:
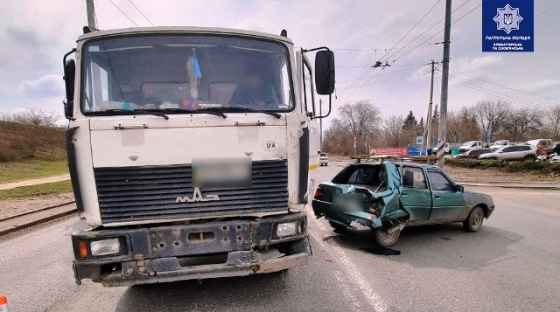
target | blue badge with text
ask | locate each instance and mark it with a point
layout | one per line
(508, 25)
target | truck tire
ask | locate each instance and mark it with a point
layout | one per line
(384, 239)
(474, 220)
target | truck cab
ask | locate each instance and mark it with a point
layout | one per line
(191, 152)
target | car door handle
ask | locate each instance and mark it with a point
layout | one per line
(437, 196)
(404, 194)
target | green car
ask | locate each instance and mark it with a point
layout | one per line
(390, 196)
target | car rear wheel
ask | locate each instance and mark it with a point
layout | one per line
(385, 239)
(475, 220)
(529, 158)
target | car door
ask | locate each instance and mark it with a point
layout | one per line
(415, 194)
(508, 153)
(447, 204)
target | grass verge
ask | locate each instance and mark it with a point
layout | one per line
(37, 190)
(16, 171)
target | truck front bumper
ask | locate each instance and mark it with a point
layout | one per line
(195, 251)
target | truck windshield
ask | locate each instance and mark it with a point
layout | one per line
(184, 74)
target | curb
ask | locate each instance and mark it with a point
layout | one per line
(38, 221)
(38, 210)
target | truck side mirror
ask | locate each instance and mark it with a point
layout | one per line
(324, 72)
(69, 75)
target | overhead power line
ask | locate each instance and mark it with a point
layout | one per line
(430, 28)
(506, 87)
(116, 6)
(457, 20)
(134, 5)
(371, 69)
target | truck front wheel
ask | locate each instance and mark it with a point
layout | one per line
(383, 238)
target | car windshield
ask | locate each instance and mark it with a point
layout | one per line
(183, 73)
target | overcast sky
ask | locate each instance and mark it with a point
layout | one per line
(34, 35)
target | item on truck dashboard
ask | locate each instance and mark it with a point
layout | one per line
(190, 104)
(194, 74)
(165, 105)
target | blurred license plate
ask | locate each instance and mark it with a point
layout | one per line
(222, 172)
(348, 202)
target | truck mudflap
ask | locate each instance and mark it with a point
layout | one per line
(197, 251)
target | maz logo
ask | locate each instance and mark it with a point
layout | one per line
(197, 197)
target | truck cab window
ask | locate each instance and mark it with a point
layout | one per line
(308, 99)
(174, 72)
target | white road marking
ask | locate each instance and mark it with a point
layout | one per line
(371, 296)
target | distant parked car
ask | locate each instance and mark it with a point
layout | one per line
(474, 153)
(499, 144)
(470, 144)
(323, 159)
(446, 148)
(517, 152)
(545, 144)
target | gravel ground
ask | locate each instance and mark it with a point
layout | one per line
(16, 206)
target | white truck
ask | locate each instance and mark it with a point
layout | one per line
(191, 152)
(470, 145)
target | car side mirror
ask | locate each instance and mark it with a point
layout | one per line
(324, 72)
(69, 75)
(459, 188)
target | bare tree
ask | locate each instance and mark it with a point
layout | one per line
(492, 115)
(522, 124)
(393, 132)
(34, 116)
(552, 121)
(361, 119)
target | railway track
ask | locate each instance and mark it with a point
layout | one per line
(28, 219)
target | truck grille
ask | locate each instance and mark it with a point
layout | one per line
(128, 194)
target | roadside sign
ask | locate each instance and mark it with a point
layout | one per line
(419, 140)
(488, 137)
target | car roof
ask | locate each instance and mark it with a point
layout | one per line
(412, 164)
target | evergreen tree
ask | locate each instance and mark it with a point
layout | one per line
(435, 116)
(421, 126)
(410, 122)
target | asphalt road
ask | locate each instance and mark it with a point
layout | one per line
(512, 264)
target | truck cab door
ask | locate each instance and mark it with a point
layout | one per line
(448, 203)
(309, 110)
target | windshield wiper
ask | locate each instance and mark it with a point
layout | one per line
(241, 109)
(184, 110)
(152, 112)
(134, 112)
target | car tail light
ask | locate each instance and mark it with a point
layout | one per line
(318, 194)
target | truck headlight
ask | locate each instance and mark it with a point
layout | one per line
(105, 247)
(289, 229)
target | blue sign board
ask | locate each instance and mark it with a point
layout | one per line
(508, 25)
(419, 140)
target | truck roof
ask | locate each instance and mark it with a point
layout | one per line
(181, 30)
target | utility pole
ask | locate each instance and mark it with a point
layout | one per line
(429, 120)
(444, 85)
(320, 125)
(91, 14)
